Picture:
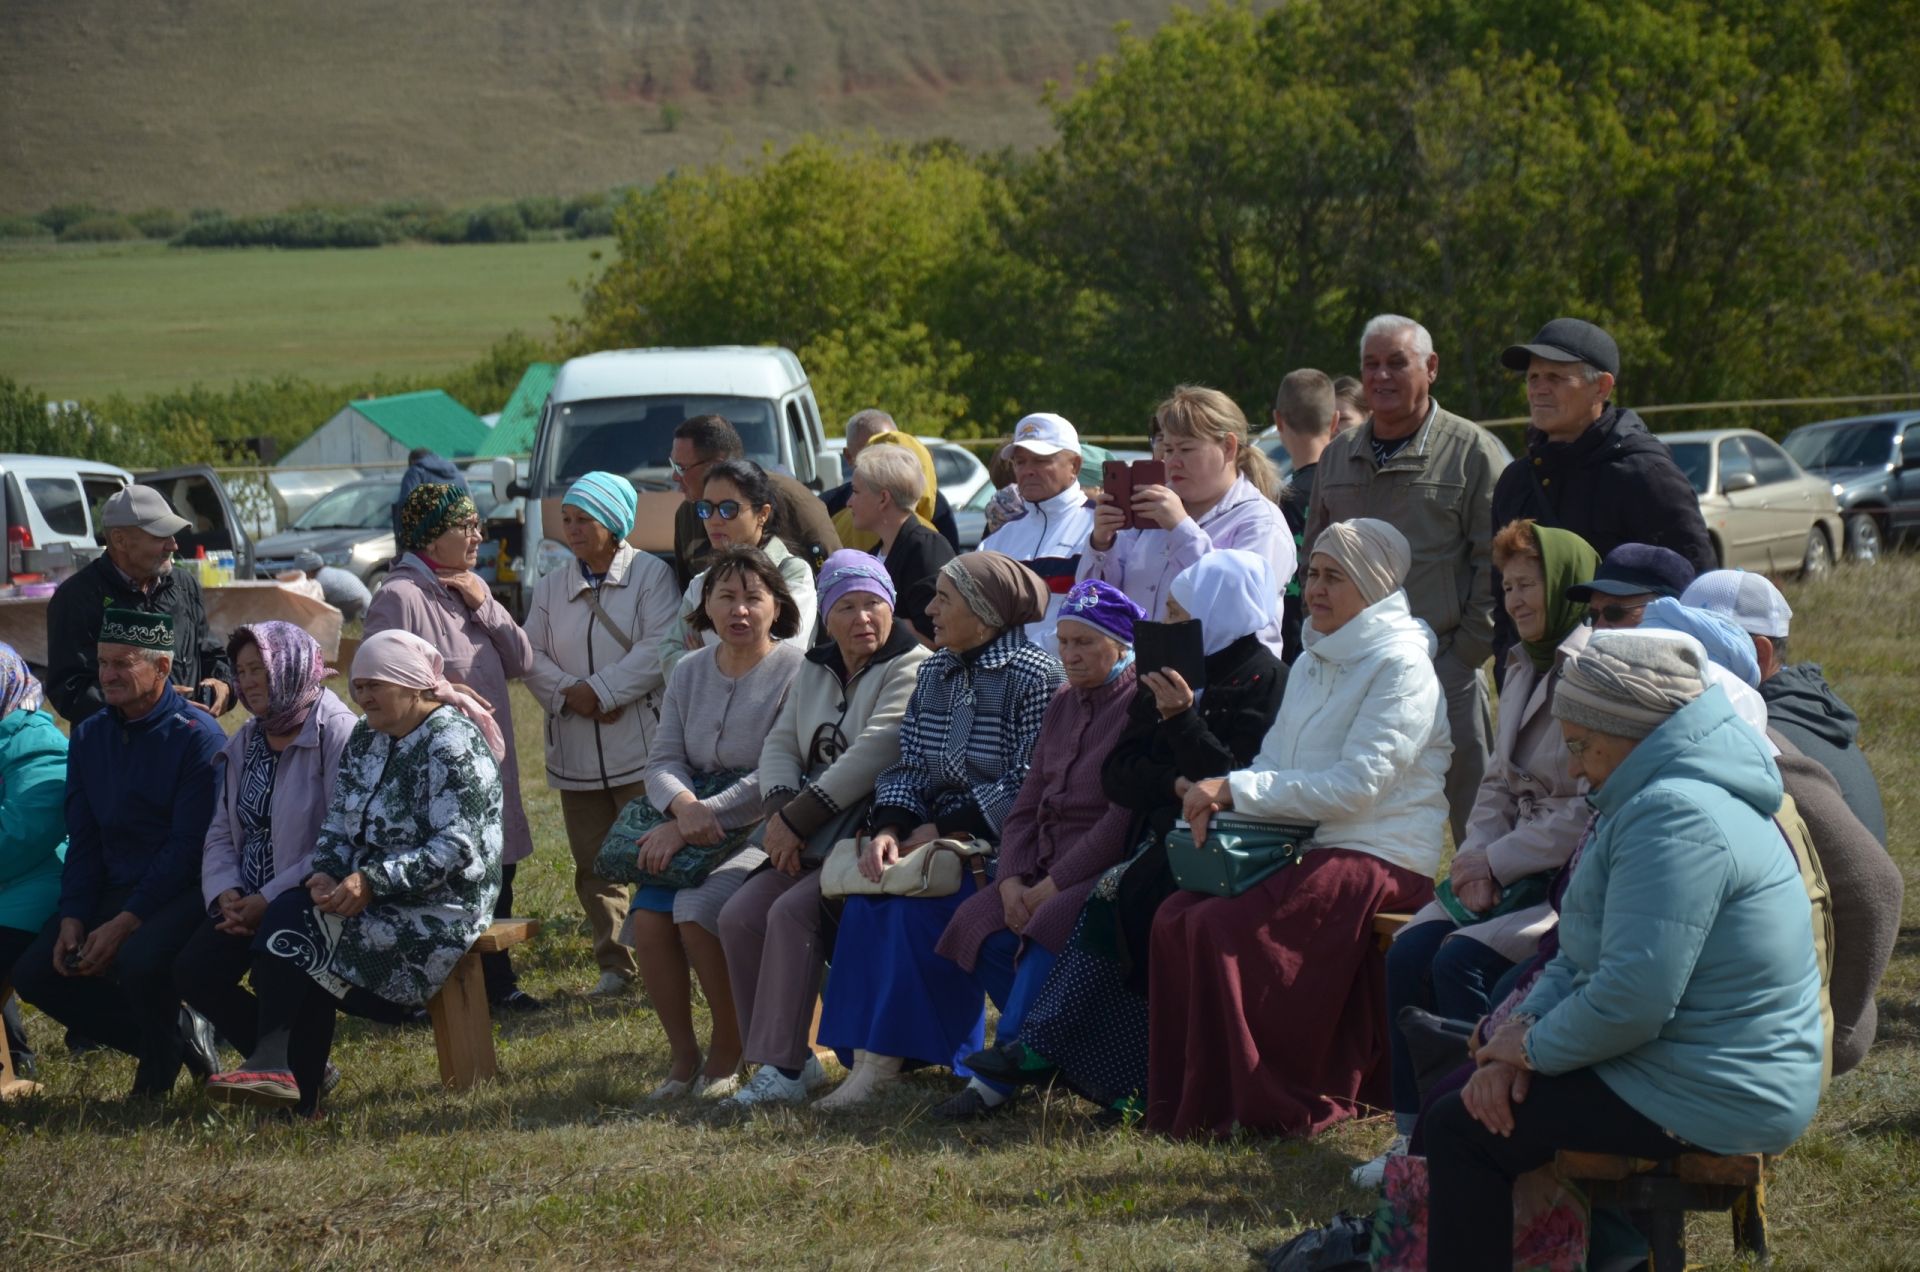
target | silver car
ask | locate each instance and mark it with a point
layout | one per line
(1763, 511)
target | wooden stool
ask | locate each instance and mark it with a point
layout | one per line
(462, 1022)
(11, 1088)
(1385, 924)
(1657, 1196)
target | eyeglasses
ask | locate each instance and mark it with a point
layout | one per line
(470, 528)
(681, 470)
(726, 509)
(1615, 613)
(1577, 747)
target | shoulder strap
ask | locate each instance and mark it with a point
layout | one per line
(606, 621)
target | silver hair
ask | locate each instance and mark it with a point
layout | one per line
(155, 655)
(1386, 324)
(894, 469)
(870, 421)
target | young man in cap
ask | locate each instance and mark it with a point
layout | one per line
(799, 518)
(1056, 516)
(1800, 703)
(141, 789)
(135, 573)
(1591, 467)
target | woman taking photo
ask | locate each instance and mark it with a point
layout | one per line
(702, 777)
(277, 775)
(887, 483)
(596, 631)
(403, 877)
(839, 729)
(1267, 1011)
(965, 747)
(736, 509)
(433, 593)
(1220, 493)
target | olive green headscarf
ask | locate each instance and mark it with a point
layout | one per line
(1565, 559)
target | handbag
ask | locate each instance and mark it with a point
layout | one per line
(1521, 894)
(618, 860)
(1238, 853)
(931, 870)
(819, 844)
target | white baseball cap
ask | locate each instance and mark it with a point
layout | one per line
(1754, 604)
(1042, 435)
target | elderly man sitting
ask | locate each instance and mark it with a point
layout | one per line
(140, 794)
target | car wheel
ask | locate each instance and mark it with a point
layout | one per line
(1863, 538)
(1819, 557)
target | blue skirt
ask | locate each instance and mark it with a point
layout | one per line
(891, 994)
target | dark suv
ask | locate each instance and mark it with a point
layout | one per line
(1873, 462)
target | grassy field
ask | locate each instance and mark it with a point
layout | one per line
(560, 1162)
(80, 321)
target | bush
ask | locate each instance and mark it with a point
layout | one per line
(314, 227)
(157, 223)
(99, 229)
(21, 227)
(542, 212)
(500, 223)
(206, 214)
(582, 204)
(595, 222)
(450, 228)
(59, 218)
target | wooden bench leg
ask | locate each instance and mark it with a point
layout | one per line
(12, 1087)
(1665, 1228)
(463, 1027)
(1750, 1223)
(823, 1054)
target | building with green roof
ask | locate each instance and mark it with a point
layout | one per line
(520, 418)
(384, 430)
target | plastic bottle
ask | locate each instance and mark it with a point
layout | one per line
(202, 567)
(225, 557)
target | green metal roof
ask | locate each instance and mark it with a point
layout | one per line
(512, 433)
(429, 418)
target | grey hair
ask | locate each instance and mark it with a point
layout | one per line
(894, 469)
(1387, 324)
(870, 421)
(155, 655)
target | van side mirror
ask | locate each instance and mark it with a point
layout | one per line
(826, 467)
(504, 473)
(1738, 481)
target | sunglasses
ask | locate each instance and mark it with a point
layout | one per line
(726, 509)
(1615, 613)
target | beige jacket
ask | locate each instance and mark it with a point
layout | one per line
(1529, 812)
(1438, 492)
(571, 645)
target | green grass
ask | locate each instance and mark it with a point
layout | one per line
(560, 1162)
(82, 322)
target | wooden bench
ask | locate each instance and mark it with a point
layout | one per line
(11, 1087)
(462, 1022)
(1657, 1196)
(1385, 925)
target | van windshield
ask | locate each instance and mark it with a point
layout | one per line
(1841, 446)
(634, 436)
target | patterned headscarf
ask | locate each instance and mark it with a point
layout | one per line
(430, 511)
(1000, 591)
(19, 691)
(295, 671)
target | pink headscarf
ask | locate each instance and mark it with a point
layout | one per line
(402, 658)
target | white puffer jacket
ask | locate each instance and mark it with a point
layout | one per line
(570, 645)
(1361, 745)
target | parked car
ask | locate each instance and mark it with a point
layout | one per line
(617, 410)
(351, 527)
(1763, 511)
(53, 504)
(1873, 463)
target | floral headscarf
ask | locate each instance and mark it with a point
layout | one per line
(430, 511)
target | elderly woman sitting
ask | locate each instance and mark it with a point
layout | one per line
(839, 729)
(1526, 819)
(1683, 1008)
(404, 875)
(965, 748)
(1267, 1013)
(1049, 836)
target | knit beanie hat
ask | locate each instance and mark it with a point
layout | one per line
(1626, 685)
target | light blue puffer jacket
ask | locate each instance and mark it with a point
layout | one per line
(33, 818)
(1686, 977)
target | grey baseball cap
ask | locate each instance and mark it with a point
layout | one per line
(143, 508)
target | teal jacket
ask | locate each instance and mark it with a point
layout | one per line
(33, 819)
(1686, 977)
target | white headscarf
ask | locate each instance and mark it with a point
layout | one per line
(1231, 592)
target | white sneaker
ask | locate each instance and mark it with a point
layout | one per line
(770, 1086)
(706, 1088)
(610, 985)
(813, 1075)
(1374, 1173)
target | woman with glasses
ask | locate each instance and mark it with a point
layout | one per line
(433, 593)
(736, 508)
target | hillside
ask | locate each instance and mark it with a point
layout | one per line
(254, 105)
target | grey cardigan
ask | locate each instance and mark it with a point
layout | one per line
(710, 722)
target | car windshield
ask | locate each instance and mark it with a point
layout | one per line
(1695, 460)
(352, 507)
(634, 436)
(1841, 445)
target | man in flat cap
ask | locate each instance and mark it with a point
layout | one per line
(1590, 467)
(141, 789)
(135, 573)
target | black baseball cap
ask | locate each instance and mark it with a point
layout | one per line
(1634, 569)
(1566, 340)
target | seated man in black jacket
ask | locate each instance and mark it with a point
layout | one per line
(1590, 467)
(135, 573)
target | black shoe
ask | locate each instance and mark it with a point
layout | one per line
(518, 1000)
(970, 1106)
(1012, 1063)
(201, 1048)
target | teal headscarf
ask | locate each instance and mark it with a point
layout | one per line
(608, 498)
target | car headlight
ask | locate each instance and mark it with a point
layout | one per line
(339, 558)
(380, 549)
(1838, 490)
(551, 556)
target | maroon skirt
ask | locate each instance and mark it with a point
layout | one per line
(1268, 1010)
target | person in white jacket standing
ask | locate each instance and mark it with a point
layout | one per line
(1267, 1009)
(1050, 535)
(596, 631)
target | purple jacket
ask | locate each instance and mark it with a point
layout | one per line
(300, 794)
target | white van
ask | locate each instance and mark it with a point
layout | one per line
(616, 411)
(52, 514)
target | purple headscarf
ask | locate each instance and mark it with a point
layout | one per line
(295, 670)
(19, 691)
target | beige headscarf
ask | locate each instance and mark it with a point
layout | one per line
(1371, 553)
(999, 590)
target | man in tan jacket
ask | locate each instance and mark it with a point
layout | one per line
(1430, 474)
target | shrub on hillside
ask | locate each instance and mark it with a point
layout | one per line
(542, 212)
(594, 222)
(580, 205)
(500, 223)
(99, 229)
(21, 227)
(59, 217)
(157, 223)
(312, 227)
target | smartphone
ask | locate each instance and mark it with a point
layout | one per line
(1116, 478)
(1180, 646)
(1149, 472)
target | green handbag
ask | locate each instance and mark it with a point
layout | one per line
(1518, 895)
(618, 860)
(1238, 853)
